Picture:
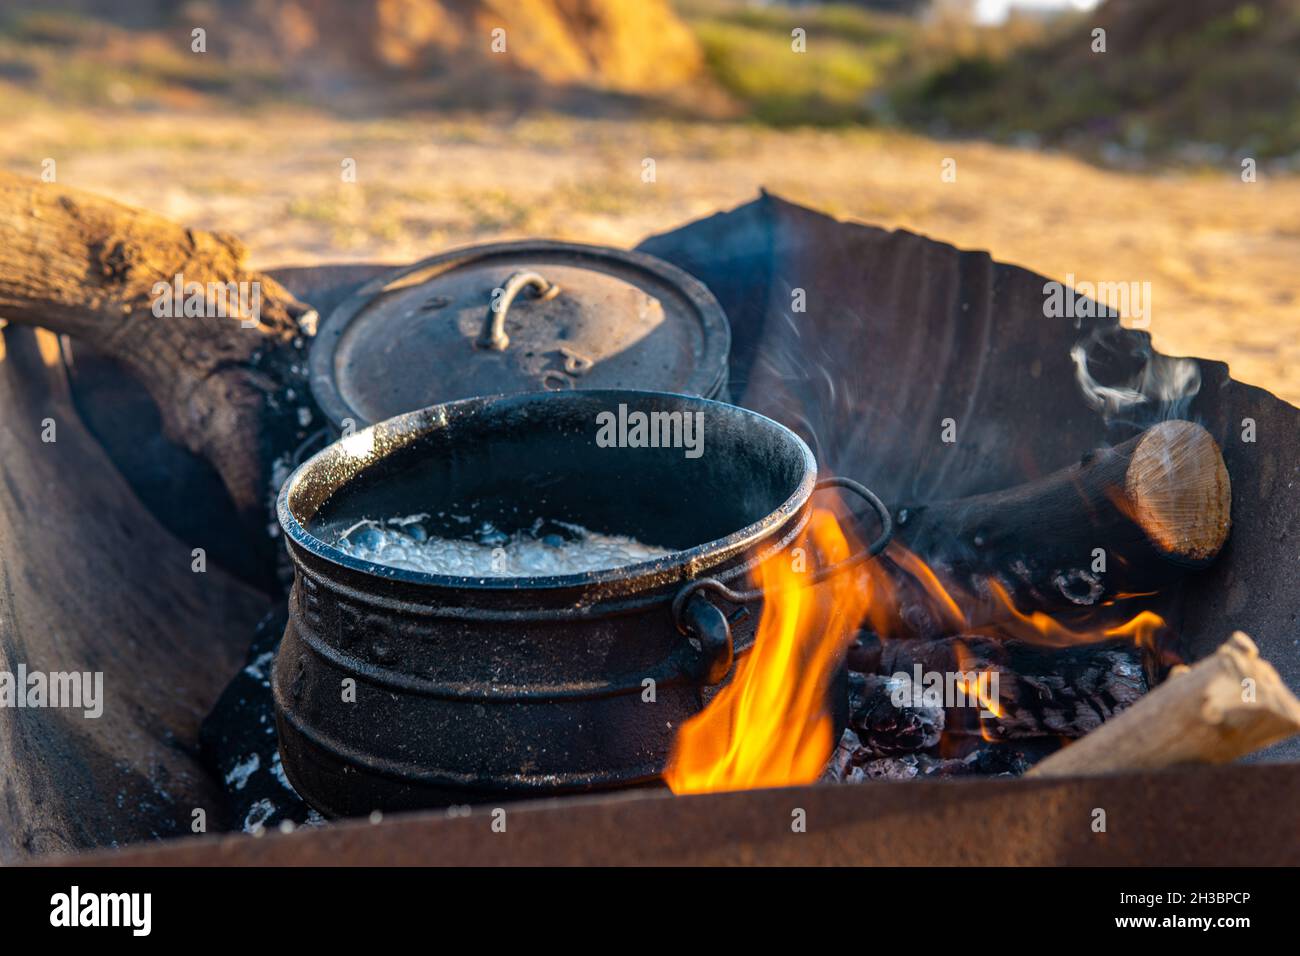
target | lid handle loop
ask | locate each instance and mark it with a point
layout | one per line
(494, 335)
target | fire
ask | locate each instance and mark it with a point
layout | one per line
(1142, 629)
(977, 687)
(771, 725)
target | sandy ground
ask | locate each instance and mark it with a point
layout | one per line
(1222, 257)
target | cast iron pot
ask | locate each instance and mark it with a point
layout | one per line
(397, 689)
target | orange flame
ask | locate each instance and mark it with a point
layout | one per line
(978, 689)
(770, 726)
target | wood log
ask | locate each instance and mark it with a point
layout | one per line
(88, 267)
(1221, 708)
(1125, 520)
(1042, 691)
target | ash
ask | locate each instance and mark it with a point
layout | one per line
(240, 747)
(543, 549)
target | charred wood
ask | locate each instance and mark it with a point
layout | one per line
(1125, 520)
(1039, 690)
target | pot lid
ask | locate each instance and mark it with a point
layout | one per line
(517, 317)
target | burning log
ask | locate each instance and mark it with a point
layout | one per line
(1224, 707)
(94, 269)
(1124, 521)
(976, 686)
(1012, 689)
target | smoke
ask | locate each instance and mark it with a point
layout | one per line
(1124, 378)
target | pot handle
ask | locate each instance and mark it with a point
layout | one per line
(493, 334)
(711, 652)
(702, 626)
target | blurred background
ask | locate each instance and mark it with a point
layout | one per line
(1171, 156)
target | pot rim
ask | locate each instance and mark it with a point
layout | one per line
(420, 422)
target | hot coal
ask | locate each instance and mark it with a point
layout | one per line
(882, 726)
(854, 762)
(1042, 690)
(901, 725)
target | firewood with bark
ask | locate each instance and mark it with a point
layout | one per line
(1125, 520)
(93, 269)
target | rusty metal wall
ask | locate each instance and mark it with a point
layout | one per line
(1230, 816)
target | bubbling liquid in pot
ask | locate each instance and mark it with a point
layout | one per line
(545, 548)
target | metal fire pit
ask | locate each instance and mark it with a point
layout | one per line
(1208, 816)
(889, 316)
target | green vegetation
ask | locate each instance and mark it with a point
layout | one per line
(857, 61)
(1195, 79)
(850, 53)
(1201, 81)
